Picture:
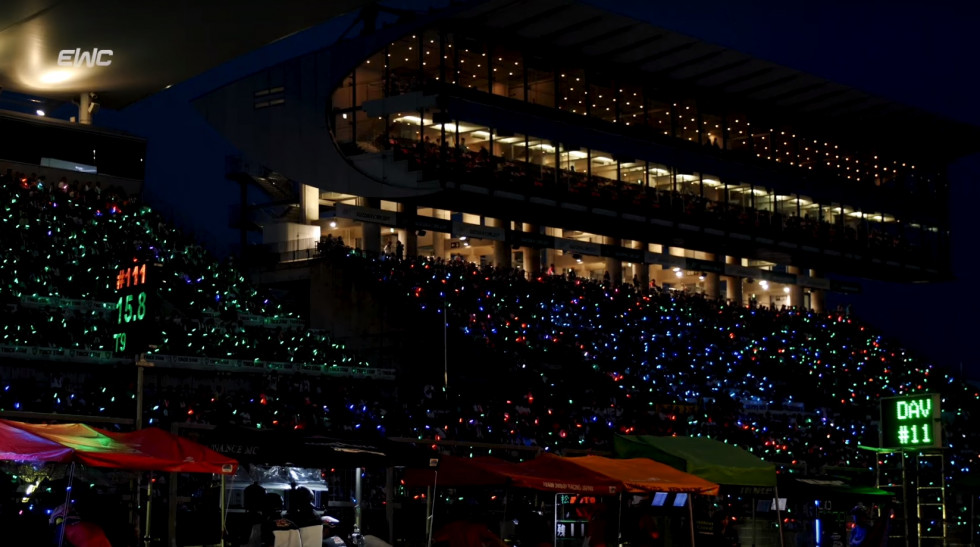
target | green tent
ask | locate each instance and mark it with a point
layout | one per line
(707, 458)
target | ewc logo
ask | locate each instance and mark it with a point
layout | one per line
(78, 57)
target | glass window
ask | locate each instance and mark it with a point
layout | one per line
(405, 127)
(343, 96)
(809, 154)
(604, 167)
(471, 137)
(860, 164)
(540, 82)
(659, 116)
(450, 64)
(472, 59)
(689, 184)
(714, 190)
(785, 205)
(740, 195)
(660, 177)
(687, 120)
(403, 62)
(602, 97)
(852, 220)
(761, 140)
(572, 92)
(633, 172)
(712, 130)
(739, 137)
(431, 68)
(765, 200)
(508, 72)
(540, 152)
(343, 124)
(573, 159)
(370, 132)
(809, 209)
(509, 146)
(630, 102)
(432, 134)
(369, 79)
(784, 146)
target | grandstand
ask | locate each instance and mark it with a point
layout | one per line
(635, 238)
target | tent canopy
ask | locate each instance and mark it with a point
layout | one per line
(552, 473)
(707, 458)
(646, 475)
(547, 473)
(828, 487)
(586, 475)
(148, 449)
(457, 471)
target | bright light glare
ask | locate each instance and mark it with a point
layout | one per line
(55, 76)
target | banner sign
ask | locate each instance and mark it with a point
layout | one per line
(365, 214)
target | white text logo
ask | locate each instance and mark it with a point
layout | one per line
(79, 57)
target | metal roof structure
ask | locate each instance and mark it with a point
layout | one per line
(694, 67)
(126, 50)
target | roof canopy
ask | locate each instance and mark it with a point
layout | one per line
(128, 50)
(593, 32)
(825, 488)
(585, 475)
(707, 458)
(148, 449)
(646, 475)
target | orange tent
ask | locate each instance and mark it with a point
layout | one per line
(645, 475)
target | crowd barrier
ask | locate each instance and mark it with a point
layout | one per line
(190, 362)
(80, 305)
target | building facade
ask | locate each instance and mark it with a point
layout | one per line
(580, 142)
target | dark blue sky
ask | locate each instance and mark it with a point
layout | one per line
(922, 55)
(916, 53)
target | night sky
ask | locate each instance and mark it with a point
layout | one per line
(921, 55)
(914, 53)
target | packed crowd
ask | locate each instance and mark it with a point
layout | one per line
(570, 361)
(547, 361)
(66, 240)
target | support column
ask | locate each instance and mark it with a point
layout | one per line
(712, 282)
(309, 203)
(735, 283)
(613, 265)
(644, 275)
(795, 290)
(410, 237)
(85, 109)
(532, 255)
(370, 232)
(818, 301)
(501, 249)
(440, 245)
(671, 251)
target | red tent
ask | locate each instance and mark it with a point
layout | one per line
(548, 473)
(557, 474)
(588, 474)
(457, 471)
(148, 449)
(646, 475)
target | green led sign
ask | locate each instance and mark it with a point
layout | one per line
(133, 309)
(911, 422)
